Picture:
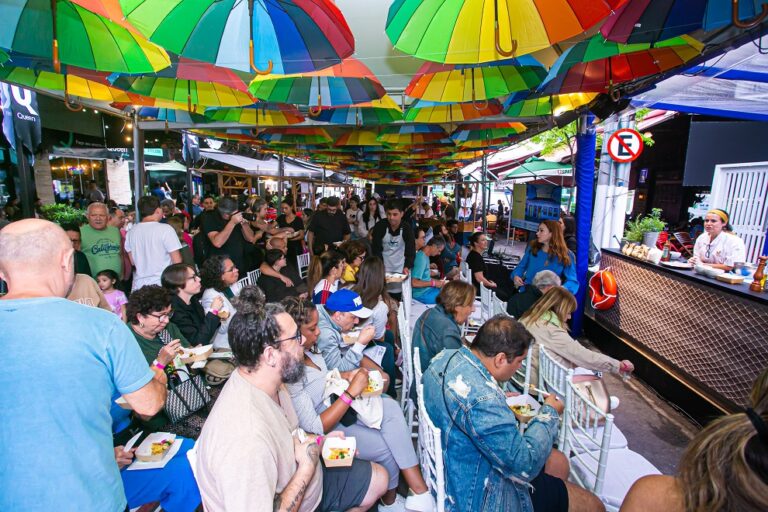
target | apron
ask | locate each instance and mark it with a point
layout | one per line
(393, 252)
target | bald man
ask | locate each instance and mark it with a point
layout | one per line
(67, 362)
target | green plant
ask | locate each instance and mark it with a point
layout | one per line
(63, 214)
(644, 224)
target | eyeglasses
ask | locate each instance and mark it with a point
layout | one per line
(296, 338)
(193, 277)
(232, 269)
(162, 316)
(709, 251)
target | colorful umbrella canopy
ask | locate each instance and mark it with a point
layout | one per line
(344, 84)
(277, 36)
(486, 131)
(358, 138)
(648, 21)
(596, 65)
(197, 84)
(411, 134)
(172, 115)
(547, 105)
(258, 114)
(461, 83)
(79, 37)
(476, 31)
(433, 112)
(374, 112)
(297, 135)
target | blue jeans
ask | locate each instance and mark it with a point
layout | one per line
(174, 486)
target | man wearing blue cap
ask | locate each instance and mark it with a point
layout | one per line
(342, 311)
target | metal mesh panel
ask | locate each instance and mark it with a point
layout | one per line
(718, 339)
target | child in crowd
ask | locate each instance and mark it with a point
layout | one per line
(117, 300)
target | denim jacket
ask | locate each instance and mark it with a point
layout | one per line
(488, 463)
(435, 330)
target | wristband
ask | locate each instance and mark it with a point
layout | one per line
(157, 365)
(215, 312)
(432, 283)
(319, 440)
(346, 398)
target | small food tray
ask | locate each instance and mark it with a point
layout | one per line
(375, 384)
(730, 278)
(350, 337)
(391, 277)
(680, 265)
(194, 354)
(339, 453)
(515, 402)
(123, 403)
(160, 441)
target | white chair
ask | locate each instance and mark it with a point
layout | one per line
(239, 286)
(417, 375)
(498, 306)
(486, 302)
(608, 473)
(551, 373)
(303, 262)
(406, 402)
(431, 454)
(253, 276)
(522, 377)
(407, 296)
(465, 272)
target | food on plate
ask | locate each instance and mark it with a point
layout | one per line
(372, 386)
(523, 410)
(161, 447)
(339, 454)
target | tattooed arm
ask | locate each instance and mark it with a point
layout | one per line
(307, 455)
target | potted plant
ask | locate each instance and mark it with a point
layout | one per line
(63, 214)
(645, 229)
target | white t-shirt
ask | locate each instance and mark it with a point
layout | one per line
(150, 245)
(725, 249)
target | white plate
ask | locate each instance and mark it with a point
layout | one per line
(677, 264)
(171, 453)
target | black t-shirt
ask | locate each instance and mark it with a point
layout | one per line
(328, 229)
(294, 246)
(235, 245)
(476, 264)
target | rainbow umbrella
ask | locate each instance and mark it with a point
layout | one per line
(67, 33)
(197, 84)
(258, 114)
(473, 31)
(297, 135)
(422, 111)
(462, 83)
(411, 134)
(358, 138)
(486, 131)
(171, 115)
(596, 65)
(555, 104)
(648, 21)
(264, 36)
(382, 111)
(344, 84)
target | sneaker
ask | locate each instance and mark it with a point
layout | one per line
(615, 402)
(397, 506)
(423, 502)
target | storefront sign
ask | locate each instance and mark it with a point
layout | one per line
(625, 145)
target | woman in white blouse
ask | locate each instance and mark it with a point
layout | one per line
(718, 247)
(217, 274)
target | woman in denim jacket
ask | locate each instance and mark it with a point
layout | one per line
(489, 465)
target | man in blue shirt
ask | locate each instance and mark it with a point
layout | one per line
(426, 289)
(68, 361)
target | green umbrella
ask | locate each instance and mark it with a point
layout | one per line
(535, 168)
(68, 33)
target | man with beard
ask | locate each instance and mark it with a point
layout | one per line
(250, 454)
(69, 361)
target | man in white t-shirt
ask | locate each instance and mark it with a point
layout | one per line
(250, 455)
(152, 246)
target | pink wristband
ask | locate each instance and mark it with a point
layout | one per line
(319, 440)
(344, 398)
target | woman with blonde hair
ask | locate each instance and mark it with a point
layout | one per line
(547, 252)
(546, 321)
(724, 468)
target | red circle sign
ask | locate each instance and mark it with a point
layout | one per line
(625, 145)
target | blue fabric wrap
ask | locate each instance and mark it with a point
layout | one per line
(585, 180)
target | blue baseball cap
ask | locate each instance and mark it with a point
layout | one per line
(347, 301)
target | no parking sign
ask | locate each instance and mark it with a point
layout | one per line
(625, 145)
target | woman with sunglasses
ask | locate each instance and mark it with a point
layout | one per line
(197, 326)
(217, 274)
(717, 246)
(390, 445)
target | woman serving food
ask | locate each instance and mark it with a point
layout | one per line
(718, 247)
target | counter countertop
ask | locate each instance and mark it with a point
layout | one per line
(741, 290)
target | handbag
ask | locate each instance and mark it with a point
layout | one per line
(186, 398)
(594, 388)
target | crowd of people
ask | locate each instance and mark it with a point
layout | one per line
(100, 313)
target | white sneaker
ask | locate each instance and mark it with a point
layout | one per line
(423, 502)
(397, 506)
(615, 402)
